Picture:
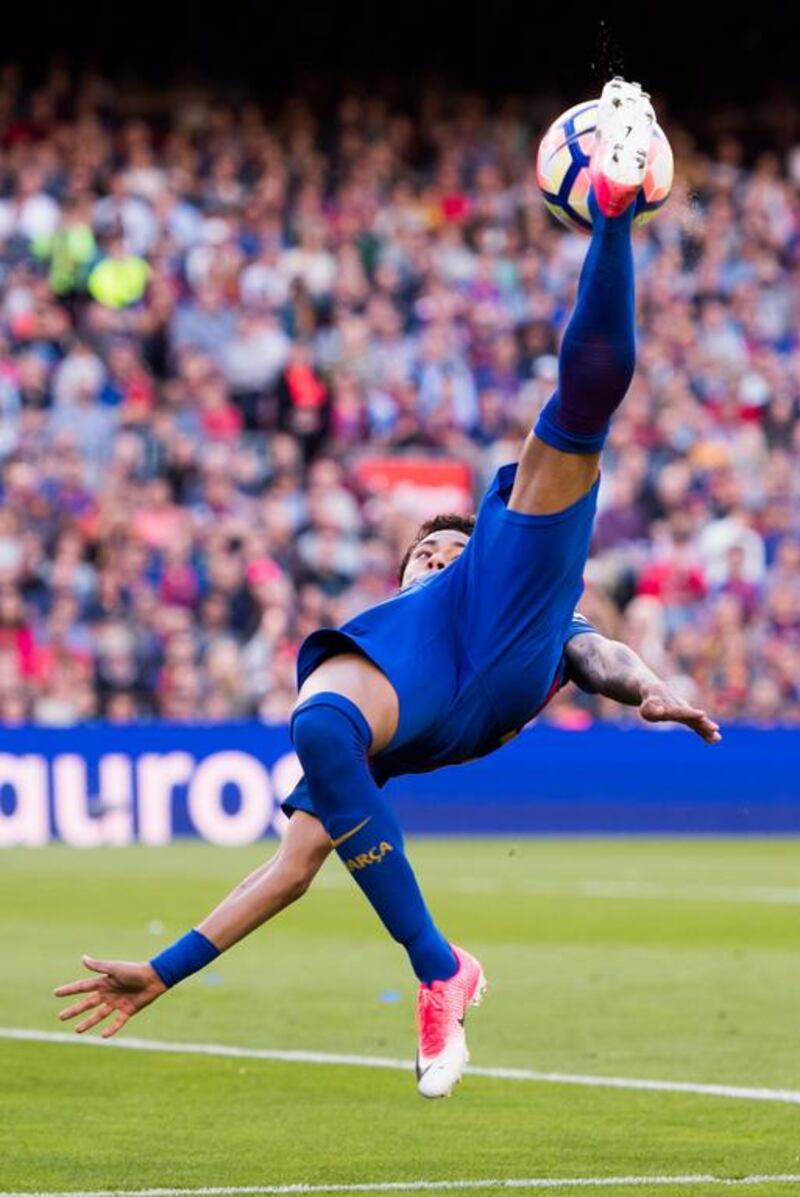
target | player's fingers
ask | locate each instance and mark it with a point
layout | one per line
(79, 1007)
(701, 719)
(84, 986)
(97, 966)
(682, 714)
(93, 1019)
(116, 1025)
(708, 731)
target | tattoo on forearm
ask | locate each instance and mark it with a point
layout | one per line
(609, 668)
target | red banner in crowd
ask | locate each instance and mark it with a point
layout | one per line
(420, 487)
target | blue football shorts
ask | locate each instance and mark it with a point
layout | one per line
(474, 650)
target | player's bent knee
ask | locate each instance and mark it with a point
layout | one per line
(327, 731)
(310, 732)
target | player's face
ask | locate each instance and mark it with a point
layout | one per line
(436, 551)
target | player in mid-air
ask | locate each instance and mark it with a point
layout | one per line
(480, 636)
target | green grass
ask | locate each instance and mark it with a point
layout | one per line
(690, 977)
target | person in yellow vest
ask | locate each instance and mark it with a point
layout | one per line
(70, 250)
(119, 279)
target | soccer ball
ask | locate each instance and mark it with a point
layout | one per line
(562, 169)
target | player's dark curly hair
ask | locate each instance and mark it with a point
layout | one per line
(450, 520)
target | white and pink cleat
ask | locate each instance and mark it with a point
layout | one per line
(442, 1054)
(625, 124)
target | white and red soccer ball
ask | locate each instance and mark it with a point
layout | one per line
(562, 169)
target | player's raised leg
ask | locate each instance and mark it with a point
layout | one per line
(560, 459)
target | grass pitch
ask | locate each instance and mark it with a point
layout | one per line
(665, 960)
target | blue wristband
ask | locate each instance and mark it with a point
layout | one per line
(187, 955)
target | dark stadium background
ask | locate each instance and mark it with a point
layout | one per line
(701, 56)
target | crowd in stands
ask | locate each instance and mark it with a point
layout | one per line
(208, 312)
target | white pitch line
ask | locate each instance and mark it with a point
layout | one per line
(769, 895)
(742, 1092)
(429, 1186)
(629, 891)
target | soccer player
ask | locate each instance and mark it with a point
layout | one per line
(480, 637)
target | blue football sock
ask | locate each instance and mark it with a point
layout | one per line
(332, 740)
(598, 352)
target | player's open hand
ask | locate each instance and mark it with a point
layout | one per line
(662, 706)
(122, 989)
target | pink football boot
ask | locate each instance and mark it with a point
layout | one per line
(441, 1007)
(625, 123)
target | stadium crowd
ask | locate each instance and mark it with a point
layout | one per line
(206, 317)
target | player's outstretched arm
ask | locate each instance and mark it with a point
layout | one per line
(122, 988)
(607, 667)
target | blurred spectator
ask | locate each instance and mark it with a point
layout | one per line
(208, 315)
(120, 278)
